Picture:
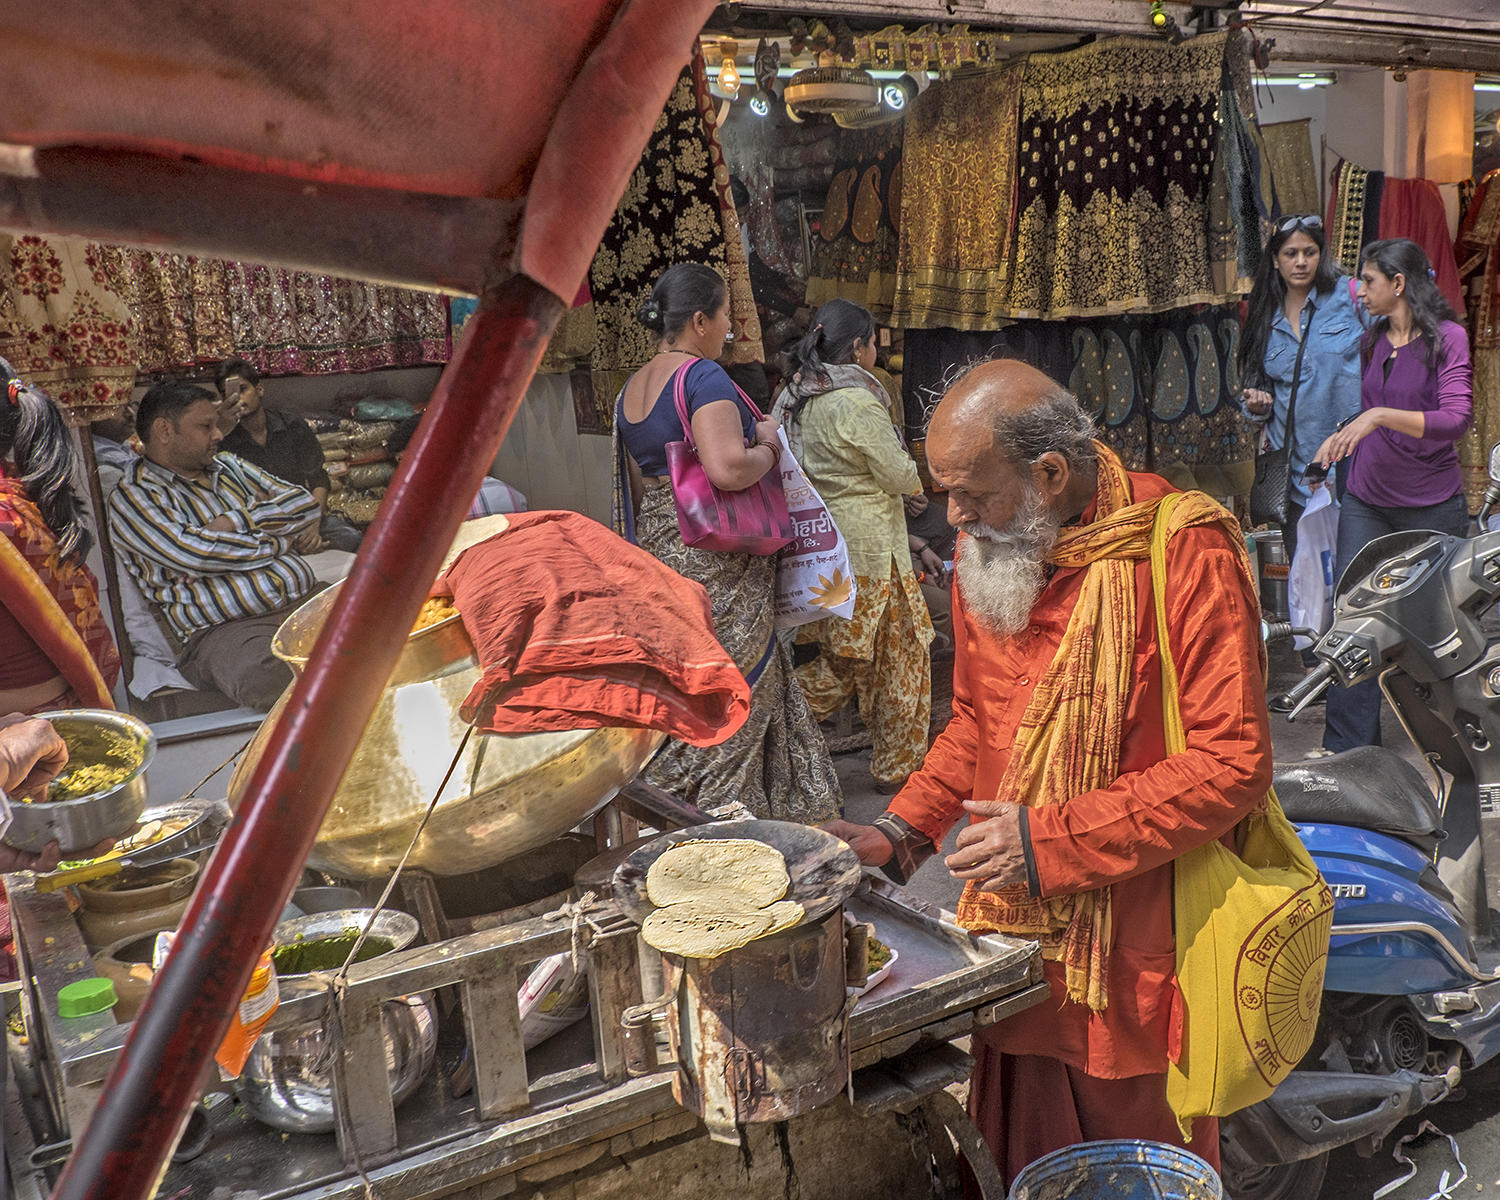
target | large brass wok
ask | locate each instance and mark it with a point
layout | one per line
(509, 794)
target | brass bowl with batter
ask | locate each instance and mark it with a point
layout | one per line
(509, 794)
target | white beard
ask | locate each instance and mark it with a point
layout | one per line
(1003, 571)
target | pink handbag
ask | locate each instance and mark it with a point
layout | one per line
(754, 521)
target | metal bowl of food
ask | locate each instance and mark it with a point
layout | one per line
(99, 795)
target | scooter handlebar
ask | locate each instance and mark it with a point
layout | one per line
(1311, 686)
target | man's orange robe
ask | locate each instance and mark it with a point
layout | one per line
(1124, 836)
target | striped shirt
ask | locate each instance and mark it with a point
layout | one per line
(199, 577)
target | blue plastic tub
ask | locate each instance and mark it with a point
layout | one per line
(1127, 1169)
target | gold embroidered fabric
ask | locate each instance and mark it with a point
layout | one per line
(180, 304)
(1116, 152)
(957, 203)
(1346, 233)
(675, 209)
(1290, 153)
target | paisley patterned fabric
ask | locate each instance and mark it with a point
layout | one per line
(55, 599)
(854, 251)
(80, 319)
(777, 765)
(63, 326)
(959, 157)
(1162, 388)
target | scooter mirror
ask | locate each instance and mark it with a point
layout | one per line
(1495, 463)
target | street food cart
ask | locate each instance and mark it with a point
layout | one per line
(475, 149)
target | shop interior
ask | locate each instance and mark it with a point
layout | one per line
(807, 159)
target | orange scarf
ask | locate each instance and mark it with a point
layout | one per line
(54, 599)
(1069, 738)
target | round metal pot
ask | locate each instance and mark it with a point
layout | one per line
(85, 822)
(138, 900)
(509, 794)
(287, 1082)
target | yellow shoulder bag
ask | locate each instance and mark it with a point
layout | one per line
(1252, 935)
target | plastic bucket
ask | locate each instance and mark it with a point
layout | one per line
(1127, 1169)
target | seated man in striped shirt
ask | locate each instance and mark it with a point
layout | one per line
(215, 544)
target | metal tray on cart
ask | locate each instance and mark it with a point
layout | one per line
(946, 983)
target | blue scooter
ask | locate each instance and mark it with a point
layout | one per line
(1411, 997)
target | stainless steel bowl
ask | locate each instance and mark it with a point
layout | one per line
(286, 1082)
(398, 928)
(509, 794)
(88, 820)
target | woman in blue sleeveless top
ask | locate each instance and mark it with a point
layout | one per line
(777, 764)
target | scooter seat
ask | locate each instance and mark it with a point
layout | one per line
(1368, 788)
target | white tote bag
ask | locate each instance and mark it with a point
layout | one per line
(813, 577)
(1310, 587)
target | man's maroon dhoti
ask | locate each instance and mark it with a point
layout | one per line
(1026, 1106)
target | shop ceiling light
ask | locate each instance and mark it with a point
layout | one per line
(729, 74)
(1303, 80)
(759, 105)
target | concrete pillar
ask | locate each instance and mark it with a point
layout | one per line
(1439, 126)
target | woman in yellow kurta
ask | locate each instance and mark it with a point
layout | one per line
(837, 418)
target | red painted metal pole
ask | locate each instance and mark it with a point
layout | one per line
(148, 1096)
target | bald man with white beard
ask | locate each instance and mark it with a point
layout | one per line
(1056, 752)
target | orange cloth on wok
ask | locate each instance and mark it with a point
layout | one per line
(575, 628)
(1125, 835)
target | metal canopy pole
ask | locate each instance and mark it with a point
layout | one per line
(146, 1101)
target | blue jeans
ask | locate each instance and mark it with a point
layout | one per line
(1353, 717)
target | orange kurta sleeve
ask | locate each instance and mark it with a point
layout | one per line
(1150, 816)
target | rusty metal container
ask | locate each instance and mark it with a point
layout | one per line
(761, 1033)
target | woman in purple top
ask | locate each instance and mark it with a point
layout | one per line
(1417, 400)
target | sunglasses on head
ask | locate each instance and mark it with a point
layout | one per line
(1309, 222)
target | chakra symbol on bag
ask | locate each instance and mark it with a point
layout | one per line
(1279, 980)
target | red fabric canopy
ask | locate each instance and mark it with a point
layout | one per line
(462, 98)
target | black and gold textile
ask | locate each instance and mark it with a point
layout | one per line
(928, 48)
(1162, 388)
(673, 211)
(1117, 144)
(1353, 212)
(854, 251)
(957, 197)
